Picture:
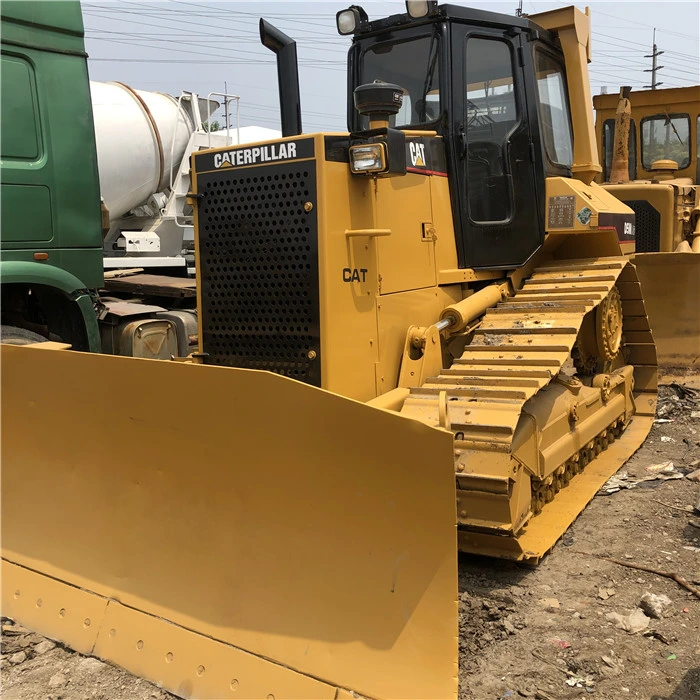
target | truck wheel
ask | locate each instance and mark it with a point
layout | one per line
(12, 335)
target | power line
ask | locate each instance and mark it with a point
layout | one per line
(188, 35)
(675, 69)
(306, 22)
(167, 28)
(144, 10)
(303, 61)
(630, 56)
(170, 39)
(159, 15)
(685, 55)
(636, 66)
(232, 62)
(643, 24)
(595, 65)
(617, 41)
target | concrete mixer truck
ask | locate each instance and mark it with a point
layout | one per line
(94, 184)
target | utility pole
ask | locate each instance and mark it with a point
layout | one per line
(653, 56)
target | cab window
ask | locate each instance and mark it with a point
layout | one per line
(491, 117)
(554, 110)
(20, 120)
(666, 137)
(413, 66)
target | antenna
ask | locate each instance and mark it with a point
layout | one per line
(653, 56)
(519, 11)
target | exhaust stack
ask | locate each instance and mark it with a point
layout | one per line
(287, 76)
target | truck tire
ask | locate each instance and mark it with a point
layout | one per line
(12, 335)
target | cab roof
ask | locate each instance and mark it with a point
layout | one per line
(447, 12)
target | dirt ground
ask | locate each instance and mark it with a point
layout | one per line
(541, 633)
(526, 633)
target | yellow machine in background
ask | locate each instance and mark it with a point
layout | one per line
(651, 163)
(418, 335)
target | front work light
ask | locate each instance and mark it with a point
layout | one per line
(421, 8)
(368, 158)
(349, 21)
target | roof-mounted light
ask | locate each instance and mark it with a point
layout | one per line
(421, 8)
(349, 21)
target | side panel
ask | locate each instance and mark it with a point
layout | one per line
(406, 258)
(34, 201)
(312, 532)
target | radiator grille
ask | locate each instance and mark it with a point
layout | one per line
(258, 249)
(647, 226)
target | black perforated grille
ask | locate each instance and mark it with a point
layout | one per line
(258, 249)
(647, 226)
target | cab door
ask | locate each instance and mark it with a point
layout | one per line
(500, 174)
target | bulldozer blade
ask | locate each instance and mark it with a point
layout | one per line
(227, 533)
(671, 288)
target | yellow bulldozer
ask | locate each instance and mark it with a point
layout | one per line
(648, 143)
(415, 337)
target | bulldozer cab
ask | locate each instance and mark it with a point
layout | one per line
(494, 88)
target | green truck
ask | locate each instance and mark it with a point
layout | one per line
(51, 261)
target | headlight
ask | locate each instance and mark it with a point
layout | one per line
(349, 21)
(345, 21)
(368, 158)
(421, 8)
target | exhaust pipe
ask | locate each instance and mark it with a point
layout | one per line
(287, 76)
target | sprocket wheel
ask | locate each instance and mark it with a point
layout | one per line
(609, 325)
(600, 337)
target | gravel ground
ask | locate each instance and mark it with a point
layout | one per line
(544, 633)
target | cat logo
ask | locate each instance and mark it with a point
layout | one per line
(253, 156)
(417, 151)
(355, 275)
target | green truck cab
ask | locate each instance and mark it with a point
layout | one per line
(51, 231)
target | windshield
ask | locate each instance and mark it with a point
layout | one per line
(666, 137)
(413, 66)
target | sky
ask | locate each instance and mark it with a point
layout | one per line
(174, 45)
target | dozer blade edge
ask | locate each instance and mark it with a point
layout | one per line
(227, 533)
(671, 286)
